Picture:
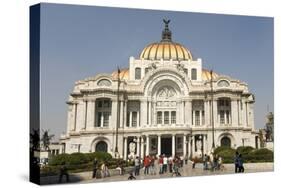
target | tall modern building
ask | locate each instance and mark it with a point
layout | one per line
(165, 102)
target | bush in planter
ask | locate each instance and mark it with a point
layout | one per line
(244, 150)
(100, 156)
(59, 159)
(226, 153)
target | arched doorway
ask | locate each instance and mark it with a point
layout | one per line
(226, 142)
(101, 146)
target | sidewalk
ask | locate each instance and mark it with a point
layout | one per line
(186, 171)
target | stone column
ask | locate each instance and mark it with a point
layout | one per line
(178, 113)
(182, 113)
(215, 113)
(173, 145)
(138, 118)
(147, 145)
(234, 114)
(93, 113)
(143, 115)
(138, 146)
(207, 115)
(205, 144)
(193, 145)
(184, 145)
(142, 147)
(125, 148)
(189, 113)
(75, 117)
(101, 120)
(125, 113)
(121, 114)
(149, 112)
(162, 117)
(200, 117)
(193, 118)
(130, 119)
(85, 114)
(159, 144)
(113, 121)
(189, 147)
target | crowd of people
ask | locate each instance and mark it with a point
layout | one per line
(212, 162)
(162, 164)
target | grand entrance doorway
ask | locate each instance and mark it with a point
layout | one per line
(166, 146)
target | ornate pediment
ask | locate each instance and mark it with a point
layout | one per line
(166, 92)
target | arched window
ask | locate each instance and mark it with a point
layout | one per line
(193, 74)
(104, 82)
(226, 142)
(137, 73)
(101, 146)
(223, 83)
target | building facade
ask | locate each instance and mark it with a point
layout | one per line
(164, 103)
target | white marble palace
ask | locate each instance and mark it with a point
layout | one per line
(164, 103)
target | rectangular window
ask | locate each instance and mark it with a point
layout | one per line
(166, 117)
(137, 73)
(227, 117)
(99, 119)
(193, 74)
(173, 117)
(203, 117)
(106, 103)
(146, 70)
(179, 142)
(106, 119)
(134, 119)
(197, 118)
(222, 117)
(159, 117)
(128, 119)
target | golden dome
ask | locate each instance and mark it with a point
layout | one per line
(206, 75)
(166, 49)
(124, 74)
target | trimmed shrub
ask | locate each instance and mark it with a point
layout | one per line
(226, 153)
(59, 159)
(244, 150)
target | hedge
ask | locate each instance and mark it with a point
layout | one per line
(249, 154)
(79, 162)
(79, 158)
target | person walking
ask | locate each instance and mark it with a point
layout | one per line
(236, 162)
(205, 162)
(146, 164)
(152, 166)
(95, 168)
(63, 172)
(160, 162)
(240, 164)
(137, 166)
(170, 161)
(165, 163)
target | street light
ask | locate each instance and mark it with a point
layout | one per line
(212, 112)
(118, 114)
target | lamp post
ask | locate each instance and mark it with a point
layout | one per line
(212, 112)
(118, 114)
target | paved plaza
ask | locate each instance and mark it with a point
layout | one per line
(186, 171)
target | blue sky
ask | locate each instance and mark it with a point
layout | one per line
(80, 41)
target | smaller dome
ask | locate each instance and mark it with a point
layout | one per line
(124, 74)
(206, 75)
